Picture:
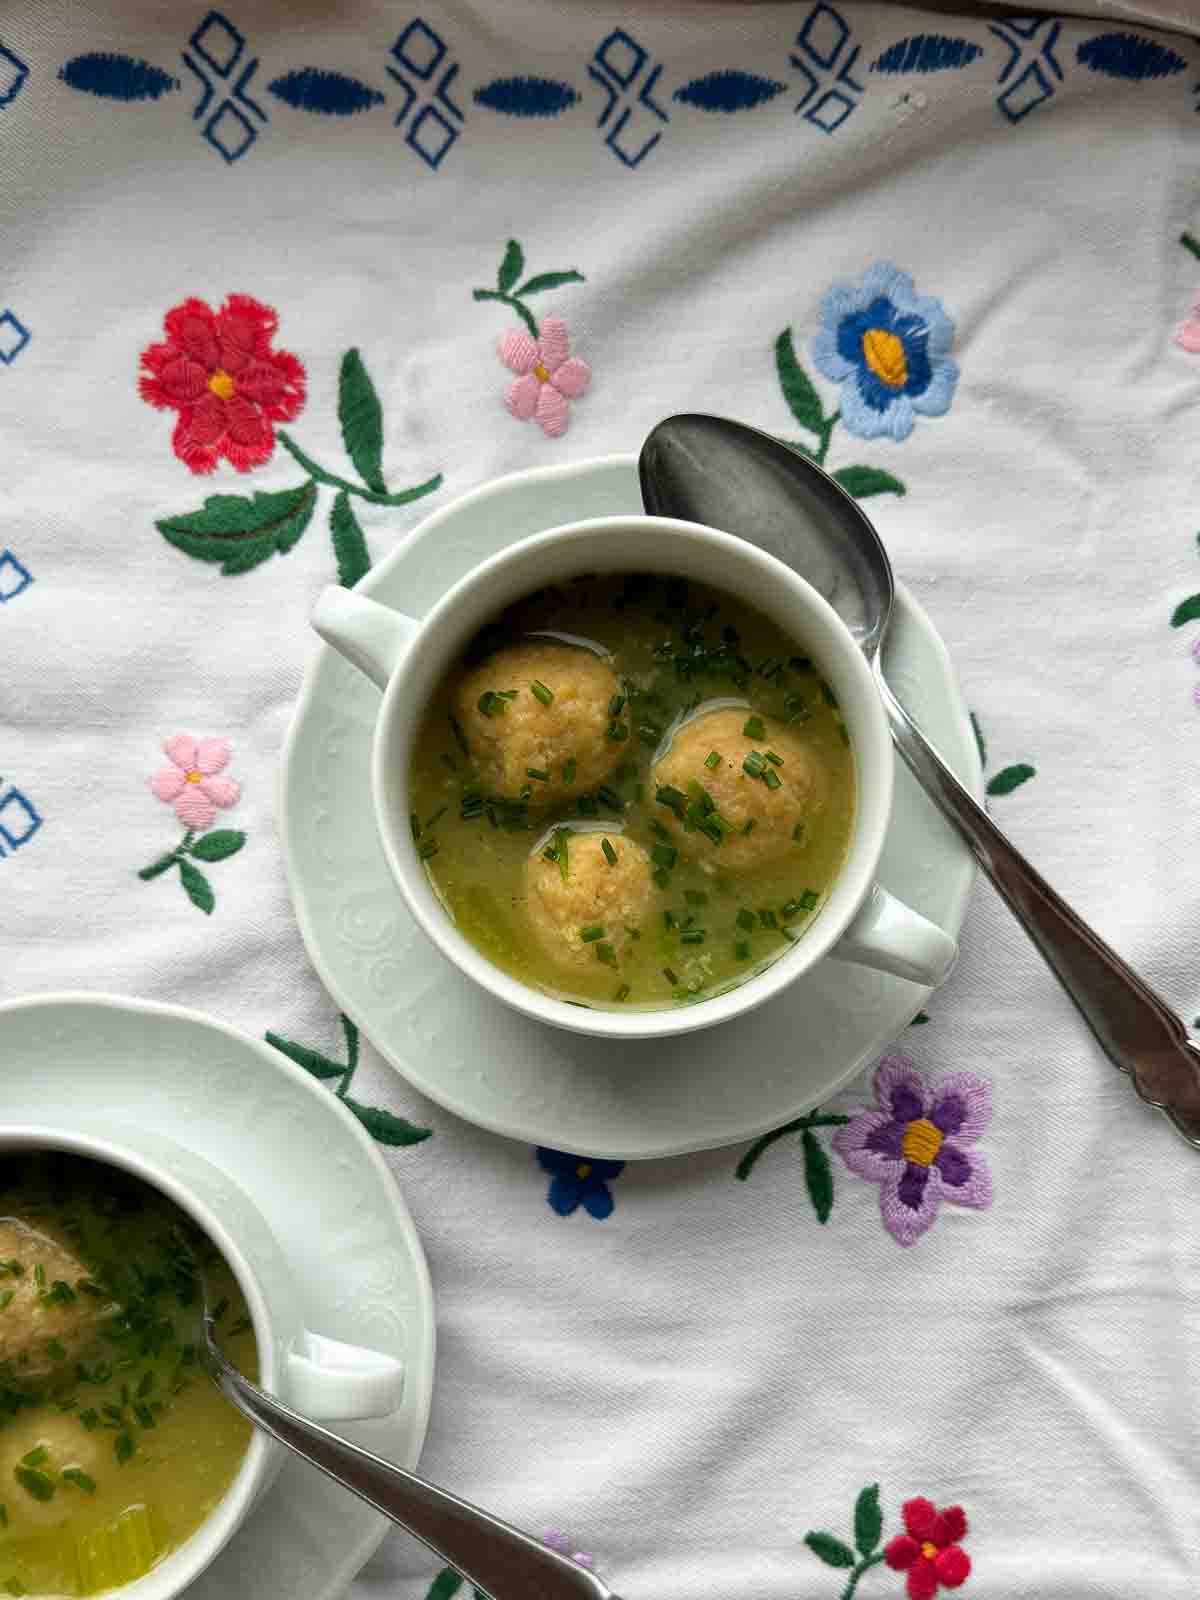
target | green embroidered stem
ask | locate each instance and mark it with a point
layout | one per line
(521, 309)
(351, 1033)
(813, 1119)
(825, 433)
(863, 1566)
(165, 863)
(319, 475)
(1188, 243)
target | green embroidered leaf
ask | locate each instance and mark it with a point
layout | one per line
(311, 1060)
(549, 280)
(199, 890)
(157, 868)
(446, 1585)
(978, 731)
(863, 482)
(818, 1177)
(802, 398)
(239, 531)
(361, 418)
(511, 267)
(219, 845)
(350, 1030)
(385, 1127)
(1011, 778)
(921, 1017)
(830, 1550)
(868, 1520)
(1187, 611)
(349, 544)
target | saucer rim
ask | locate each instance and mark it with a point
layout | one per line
(530, 477)
(342, 1572)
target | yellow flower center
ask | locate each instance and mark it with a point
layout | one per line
(541, 374)
(929, 1551)
(922, 1141)
(884, 354)
(583, 1170)
(193, 776)
(223, 386)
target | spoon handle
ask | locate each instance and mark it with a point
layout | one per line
(1135, 1029)
(490, 1554)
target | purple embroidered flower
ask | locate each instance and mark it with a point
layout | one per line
(918, 1145)
(579, 1181)
(558, 1540)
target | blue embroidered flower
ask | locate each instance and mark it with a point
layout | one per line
(579, 1181)
(889, 348)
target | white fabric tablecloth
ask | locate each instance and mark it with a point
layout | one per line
(692, 1384)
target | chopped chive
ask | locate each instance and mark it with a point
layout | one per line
(623, 992)
(845, 733)
(788, 909)
(540, 773)
(428, 850)
(3, 1516)
(741, 950)
(775, 760)
(90, 1418)
(798, 833)
(610, 855)
(39, 1275)
(657, 827)
(436, 817)
(695, 897)
(662, 877)
(827, 694)
(460, 736)
(40, 1485)
(616, 705)
(671, 977)
(664, 855)
(540, 692)
(144, 1414)
(6, 1299)
(712, 760)
(671, 797)
(492, 704)
(649, 733)
(146, 1386)
(772, 779)
(748, 826)
(610, 798)
(754, 728)
(35, 1458)
(14, 1586)
(526, 792)
(221, 1307)
(770, 668)
(639, 794)
(745, 919)
(242, 1325)
(617, 731)
(606, 953)
(768, 918)
(80, 1478)
(800, 664)
(123, 1448)
(808, 900)
(668, 919)
(414, 823)
(590, 934)
(569, 768)
(563, 865)
(754, 765)
(692, 936)
(588, 806)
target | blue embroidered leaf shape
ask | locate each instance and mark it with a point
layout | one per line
(862, 482)
(328, 94)
(1186, 611)
(526, 96)
(113, 76)
(729, 91)
(1128, 55)
(1011, 778)
(927, 52)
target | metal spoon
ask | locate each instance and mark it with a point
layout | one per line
(490, 1554)
(726, 475)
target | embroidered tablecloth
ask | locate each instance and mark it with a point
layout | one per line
(277, 281)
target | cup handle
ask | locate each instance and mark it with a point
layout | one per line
(335, 1382)
(891, 937)
(372, 637)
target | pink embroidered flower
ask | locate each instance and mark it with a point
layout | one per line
(192, 783)
(929, 1550)
(1187, 336)
(547, 377)
(558, 1540)
(917, 1146)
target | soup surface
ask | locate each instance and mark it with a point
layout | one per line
(634, 791)
(114, 1446)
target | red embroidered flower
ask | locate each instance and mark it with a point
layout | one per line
(218, 370)
(929, 1550)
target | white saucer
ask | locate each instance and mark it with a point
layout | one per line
(503, 1071)
(325, 1190)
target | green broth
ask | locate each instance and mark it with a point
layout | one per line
(678, 650)
(113, 1445)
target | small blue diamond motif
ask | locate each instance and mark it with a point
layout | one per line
(436, 125)
(19, 820)
(219, 48)
(1030, 43)
(616, 65)
(14, 336)
(13, 73)
(823, 45)
(14, 578)
(219, 43)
